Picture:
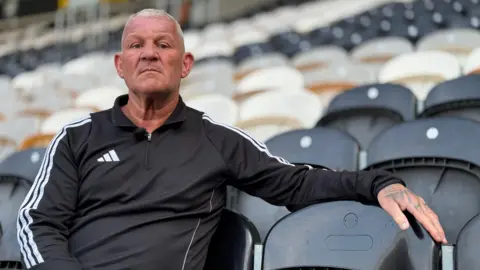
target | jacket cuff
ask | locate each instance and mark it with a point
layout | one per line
(370, 183)
(57, 265)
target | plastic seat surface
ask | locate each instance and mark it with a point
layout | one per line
(23, 164)
(457, 97)
(233, 243)
(438, 163)
(347, 235)
(467, 246)
(364, 112)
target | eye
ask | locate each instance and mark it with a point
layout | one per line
(135, 45)
(163, 45)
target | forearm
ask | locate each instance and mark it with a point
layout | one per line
(322, 185)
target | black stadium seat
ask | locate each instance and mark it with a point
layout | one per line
(17, 174)
(233, 244)
(348, 235)
(366, 111)
(468, 245)
(290, 43)
(318, 147)
(439, 161)
(251, 50)
(458, 97)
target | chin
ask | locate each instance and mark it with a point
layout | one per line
(153, 89)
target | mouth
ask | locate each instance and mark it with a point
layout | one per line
(150, 69)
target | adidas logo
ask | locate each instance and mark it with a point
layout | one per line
(111, 156)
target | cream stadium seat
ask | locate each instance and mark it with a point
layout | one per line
(25, 83)
(98, 99)
(472, 65)
(336, 78)
(192, 40)
(283, 78)
(215, 32)
(218, 107)
(259, 62)
(219, 85)
(373, 54)
(459, 42)
(319, 57)
(420, 71)
(212, 49)
(270, 113)
(57, 120)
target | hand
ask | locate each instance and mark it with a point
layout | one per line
(396, 198)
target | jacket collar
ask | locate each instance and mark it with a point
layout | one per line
(119, 119)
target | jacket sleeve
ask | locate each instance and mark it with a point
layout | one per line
(259, 173)
(46, 210)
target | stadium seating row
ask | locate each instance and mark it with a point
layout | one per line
(363, 112)
(433, 156)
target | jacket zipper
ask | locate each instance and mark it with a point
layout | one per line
(149, 139)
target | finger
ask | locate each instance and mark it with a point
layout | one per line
(435, 221)
(415, 209)
(394, 210)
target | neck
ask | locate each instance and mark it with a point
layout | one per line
(150, 112)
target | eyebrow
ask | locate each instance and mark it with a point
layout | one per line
(161, 35)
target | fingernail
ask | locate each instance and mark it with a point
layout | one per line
(445, 240)
(404, 226)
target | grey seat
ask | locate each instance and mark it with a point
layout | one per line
(459, 97)
(318, 147)
(232, 246)
(366, 111)
(468, 245)
(17, 174)
(348, 235)
(438, 159)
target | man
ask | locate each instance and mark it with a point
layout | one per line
(141, 186)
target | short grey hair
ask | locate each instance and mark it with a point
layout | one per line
(150, 12)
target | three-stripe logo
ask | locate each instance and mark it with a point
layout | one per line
(111, 156)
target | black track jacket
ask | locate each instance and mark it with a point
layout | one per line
(106, 198)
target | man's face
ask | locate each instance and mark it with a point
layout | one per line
(152, 58)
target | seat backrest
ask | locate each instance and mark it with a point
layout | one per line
(366, 111)
(320, 147)
(23, 164)
(347, 235)
(17, 174)
(232, 245)
(458, 97)
(468, 245)
(438, 163)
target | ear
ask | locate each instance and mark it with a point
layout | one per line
(187, 64)
(118, 64)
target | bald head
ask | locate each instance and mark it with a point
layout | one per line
(153, 13)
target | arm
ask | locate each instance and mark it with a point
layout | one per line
(44, 214)
(257, 172)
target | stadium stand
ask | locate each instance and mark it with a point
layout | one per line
(333, 84)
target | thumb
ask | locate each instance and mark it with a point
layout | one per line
(394, 210)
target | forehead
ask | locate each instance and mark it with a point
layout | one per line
(151, 25)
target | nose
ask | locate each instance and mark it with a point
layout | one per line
(150, 53)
